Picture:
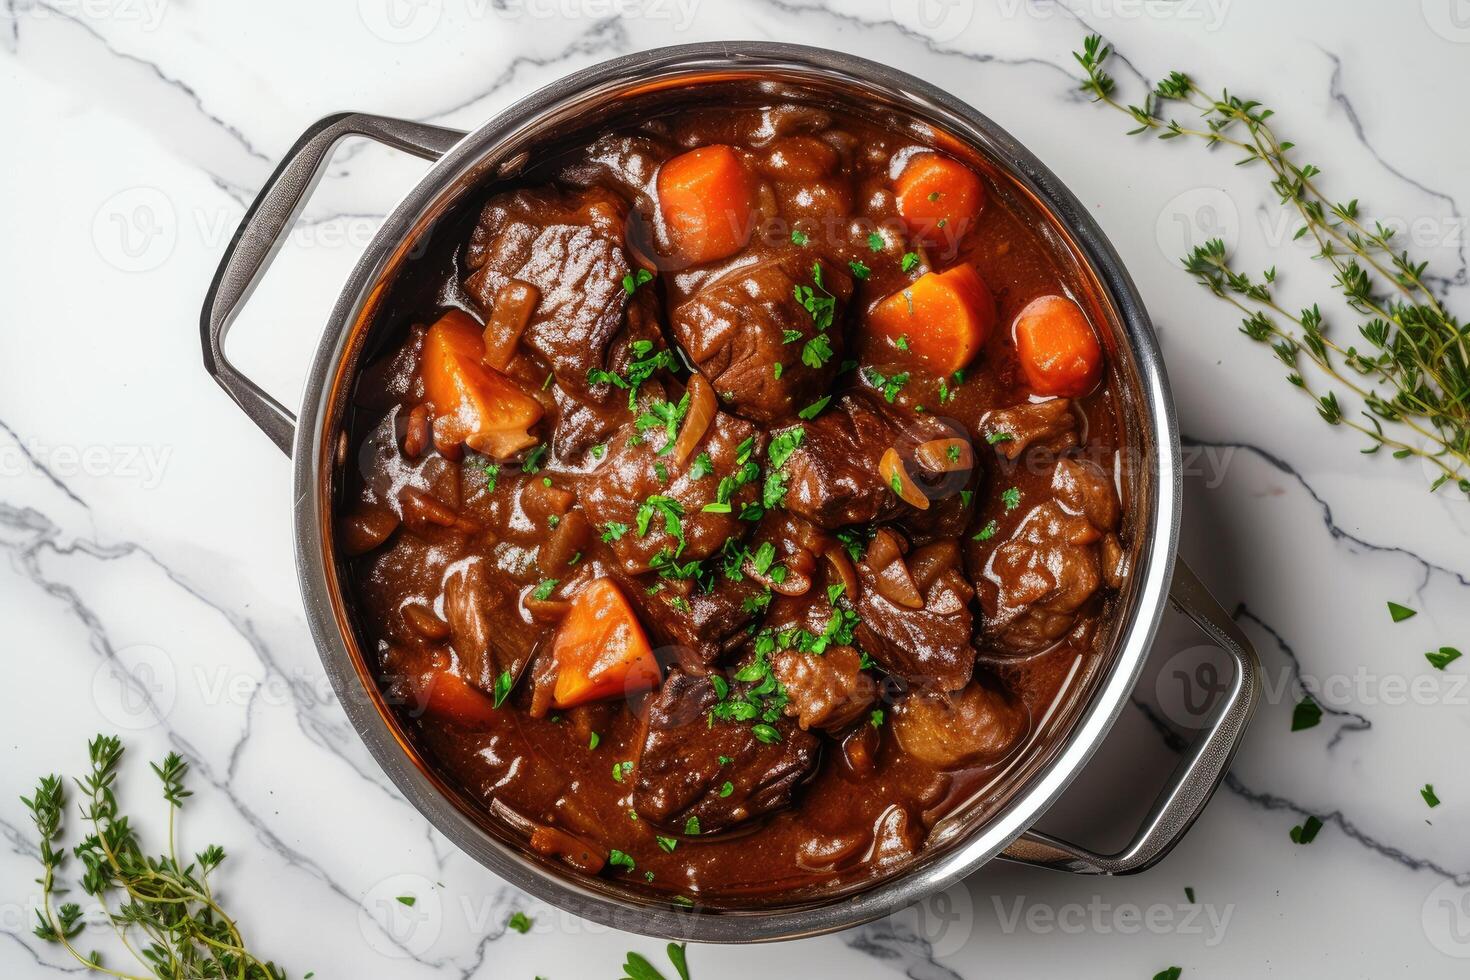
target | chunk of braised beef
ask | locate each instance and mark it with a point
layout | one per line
(1050, 425)
(694, 777)
(1036, 580)
(652, 510)
(569, 245)
(767, 332)
(964, 728)
(698, 620)
(486, 632)
(829, 690)
(832, 476)
(915, 614)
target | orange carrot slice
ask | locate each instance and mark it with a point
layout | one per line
(938, 198)
(600, 650)
(1057, 347)
(707, 199)
(942, 319)
(473, 404)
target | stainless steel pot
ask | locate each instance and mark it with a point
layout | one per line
(465, 163)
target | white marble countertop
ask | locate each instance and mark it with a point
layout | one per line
(145, 522)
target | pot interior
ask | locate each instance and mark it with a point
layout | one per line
(399, 278)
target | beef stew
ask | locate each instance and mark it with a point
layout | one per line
(739, 498)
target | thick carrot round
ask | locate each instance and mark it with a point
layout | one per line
(707, 199)
(942, 319)
(1057, 347)
(938, 198)
(473, 404)
(600, 649)
(442, 693)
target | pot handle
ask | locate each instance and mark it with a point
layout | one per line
(259, 237)
(1197, 775)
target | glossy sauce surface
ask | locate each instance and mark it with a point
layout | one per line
(908, 711)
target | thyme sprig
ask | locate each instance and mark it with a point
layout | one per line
(165, 915)
(1414, 373)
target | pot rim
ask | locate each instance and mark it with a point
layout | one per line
(315, 448)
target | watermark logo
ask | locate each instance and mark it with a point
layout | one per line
(1194, 217)
(1450, 19)
(400, 21)
(136, 230)
(401, 916)
(135, 688)
(1190, 685)
(1446, 919)
(939, 20)
(147, 15)
(1100, 917)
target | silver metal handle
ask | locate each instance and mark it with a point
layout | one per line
(260, 235)
(1197, 775)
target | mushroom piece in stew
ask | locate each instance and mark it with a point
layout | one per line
(738, 496)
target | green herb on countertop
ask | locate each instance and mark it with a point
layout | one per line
(1429, 796)
(1413, 374)
(1401, 613)
(638, 968)
(1442, 658)
(1306, 832)
(1306, 714)
(170, 918)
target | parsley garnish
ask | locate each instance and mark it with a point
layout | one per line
(821, 307)
(1306, 832)
(875, 241)
(620, 859)
(593, 741)
(533, 458)
(773, 494)
(520, 922)
(670, 510)
(1401, 613)
(633, 280)
(621, 770)
(665, 415)
(503, 684)
(701, 467)
(1442, 658)
(1011, 497)
(816, 352)
(859, 270)
(987, 532)
(492, 473)
(855, 542)
(691, 826)
(666, 844)
(815, 408)
(909, 260)
(784, 444)
(544, 590)
(890, 386)
(1428, 793)
(799, 237)
(1306, 714)
(996, 437)
(645, 362)
(766, 733)
(613, 531)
